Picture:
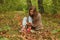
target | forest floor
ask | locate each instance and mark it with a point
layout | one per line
(9, 26)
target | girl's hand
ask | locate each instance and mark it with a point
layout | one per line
(29, 24)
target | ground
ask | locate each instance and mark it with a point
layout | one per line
(10, 25)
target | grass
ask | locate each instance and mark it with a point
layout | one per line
(9, 23)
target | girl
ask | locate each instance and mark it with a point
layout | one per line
(34, 19)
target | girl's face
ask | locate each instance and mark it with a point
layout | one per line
(31, 12)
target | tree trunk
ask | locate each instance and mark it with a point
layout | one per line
(40, 6)
(29, 3)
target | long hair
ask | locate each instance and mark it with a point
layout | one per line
(34, 11)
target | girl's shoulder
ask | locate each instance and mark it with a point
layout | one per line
(39, 14)
(25, 17)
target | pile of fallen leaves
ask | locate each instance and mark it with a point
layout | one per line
(10, 25)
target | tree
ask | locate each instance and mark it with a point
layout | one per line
(40, 6)
(54, 6)
(29, 3)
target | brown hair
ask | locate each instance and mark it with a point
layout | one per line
(34, 10)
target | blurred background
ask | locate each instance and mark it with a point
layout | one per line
(11, 11)
(44, 6)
